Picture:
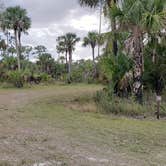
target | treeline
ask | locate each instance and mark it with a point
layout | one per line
(37, 65)
(26, 64)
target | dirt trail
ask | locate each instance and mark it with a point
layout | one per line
(16, 98)
(24, 142)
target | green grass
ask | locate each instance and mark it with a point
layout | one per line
(66, 117)
(144, 140)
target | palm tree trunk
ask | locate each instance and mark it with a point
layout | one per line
(113, 27)
(7, 38)
(138, 67)
(94, 63)
(100, 22)
(69, 66)
(66, 61)
(158, 101)
(17, 50)
(19, 43)
(93, 55)
(114, 42)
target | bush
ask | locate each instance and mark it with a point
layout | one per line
(46, 78)
(16, 78)
(76, 76)
(120, 106)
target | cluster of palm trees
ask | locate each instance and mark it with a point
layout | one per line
(136, 21)
(66, 45)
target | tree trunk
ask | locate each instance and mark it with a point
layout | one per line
(114, 42)
(154, 56)
(93, 55)
(7, 38)
(66, 61)
(100, 22)
(158, 101)
(113, 27)
(69, 66)
(17, 50)
(138, 67)
(94, 63)
(19, 43)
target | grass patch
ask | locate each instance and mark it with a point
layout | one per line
(139, 139)
(61, 121)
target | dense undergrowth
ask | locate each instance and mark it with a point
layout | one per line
(107, 103)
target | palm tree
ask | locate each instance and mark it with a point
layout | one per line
(61, 59)
(62, 48)
(39, 50)
(92, 41)
(139, 18)
(69, 41)
(45, 62)
(107, 5)
(16, 19)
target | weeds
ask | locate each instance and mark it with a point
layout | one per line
(120, 106)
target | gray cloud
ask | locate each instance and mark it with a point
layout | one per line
(51, 18)
(45, 12)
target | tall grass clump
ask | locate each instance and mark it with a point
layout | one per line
(109, 103)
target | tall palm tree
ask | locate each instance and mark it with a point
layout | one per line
(62, 48)
(92, 41)
(107, 5)
(16, 19)
(138, 18)
(69, 41)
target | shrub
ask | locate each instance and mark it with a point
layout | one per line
(120, 106)
(16, 78)
(76, 76)
(45, 77)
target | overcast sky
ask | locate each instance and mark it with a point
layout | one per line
(51, 18)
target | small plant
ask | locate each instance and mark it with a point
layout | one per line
(45, 77)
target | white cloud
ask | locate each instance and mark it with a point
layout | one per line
(86, 23)
(53, 18)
